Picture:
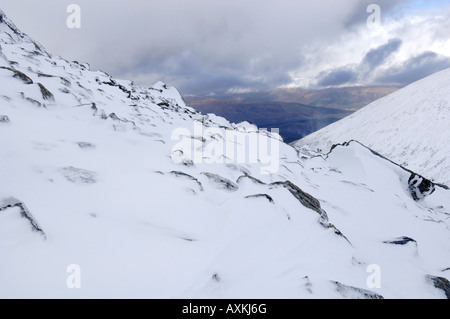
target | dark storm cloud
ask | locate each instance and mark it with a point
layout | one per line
(202, 74)
(336, 77)
(415, 69)
(377, 56)
(192, 44)
(352, 73)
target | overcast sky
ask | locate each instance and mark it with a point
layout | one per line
(216, 46)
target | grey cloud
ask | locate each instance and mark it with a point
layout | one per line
(378, 56)
(196, 44)
(415, 69)
(352, 73)
(359, 14)
(202, 45)
(190, 71)
(336, 77)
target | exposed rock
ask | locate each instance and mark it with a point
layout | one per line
(222, 181)
(440, 283)
(308, 284)
(401, 241)
(85, 145)
(305, 199)
(253, 179)
(19, 75)
(312, 203)
(114, 116)
(64, 81)
(178, 174)
(46, 94)
(78, 175)
(24, 212)
(270, 199)
(4, 119)
(43, 75)
(216, 277)
(355, 293)
(163, 104)
(420, 187)
(33, 101)
(4, 19)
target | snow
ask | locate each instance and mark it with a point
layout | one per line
(410, 127)
(110, 199)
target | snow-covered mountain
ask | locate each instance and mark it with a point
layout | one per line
(112, 190)
(410, 126)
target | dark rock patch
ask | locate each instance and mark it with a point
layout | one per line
(269, 198)
(216, 277)
(401, 241)
(253, 179)
(304, 198)
(24, 212)
(19, 75)
(420, 187)
(46, 94)
(440, 283)
(355, 293)
(222, 182)
(4, 119)
(86, 145)
(192, 178)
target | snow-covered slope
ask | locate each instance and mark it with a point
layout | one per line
(109, 190)
(410, 126)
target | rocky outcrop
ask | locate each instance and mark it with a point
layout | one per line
(419, 187)
(19, 75)
(268, 197)
(355, 293)
(222, 182)
(24, 212)
(46, 94)
(4, 119)
(305, 199)
(440, 283)
(184, 175)
(401, 241)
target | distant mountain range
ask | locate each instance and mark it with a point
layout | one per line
(294, 120)
(296, 112)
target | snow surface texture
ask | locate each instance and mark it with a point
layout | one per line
(97, 200)
(410, 126)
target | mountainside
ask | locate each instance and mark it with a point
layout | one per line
(410, 126)
(294, 120)
(111, 190)
(343, 98)
(349, 98)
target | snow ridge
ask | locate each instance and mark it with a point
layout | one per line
(409, 126)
